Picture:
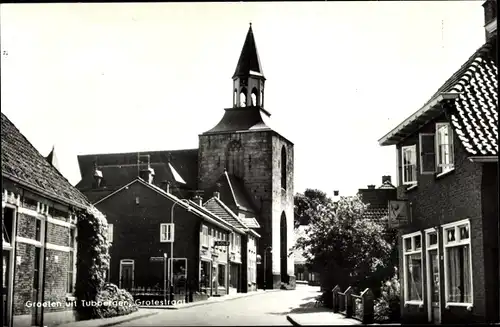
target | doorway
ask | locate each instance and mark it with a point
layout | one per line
(127, 274)
(433, 276)
(283, 249)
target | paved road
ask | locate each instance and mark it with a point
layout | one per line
(269, 308)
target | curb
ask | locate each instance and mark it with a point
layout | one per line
(290, 320)
(148, 314)
(206, 302)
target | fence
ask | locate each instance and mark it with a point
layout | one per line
(181, 291)
(359, 307)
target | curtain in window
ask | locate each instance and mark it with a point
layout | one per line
(459, 278)
(414, 276)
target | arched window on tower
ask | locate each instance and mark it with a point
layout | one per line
(283, 168)
(254, 96)
(243, 97)
(235, 97)
(234, 158)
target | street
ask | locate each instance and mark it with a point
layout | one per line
(268, 308)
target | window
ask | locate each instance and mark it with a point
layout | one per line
(38, 229)
(457, 263)
(444, 147)
(283, 168)
(70, 280)
(412, 262)
(204, 236)
(110, 233)
(427, 153)
(7, 227)
(409, 165)
(166, 233)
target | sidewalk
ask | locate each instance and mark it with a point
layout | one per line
(210, 300)
(320, 319)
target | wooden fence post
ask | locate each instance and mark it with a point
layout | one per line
(368, 303)
(348, 302)
(335, 296)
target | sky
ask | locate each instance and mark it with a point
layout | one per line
(130, 77)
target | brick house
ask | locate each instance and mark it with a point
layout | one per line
(144, 231)
(39, 232)
(243, 255)
(378, 199)
(447, 155)
(252, 162)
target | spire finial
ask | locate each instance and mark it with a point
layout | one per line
(250, 24)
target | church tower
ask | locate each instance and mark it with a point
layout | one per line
(258, 163)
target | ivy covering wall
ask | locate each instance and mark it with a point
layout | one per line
(92, 260)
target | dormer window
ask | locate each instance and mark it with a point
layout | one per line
(409, 154)
(444, 148)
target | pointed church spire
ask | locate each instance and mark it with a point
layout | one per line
(249, 58)
(52, 159)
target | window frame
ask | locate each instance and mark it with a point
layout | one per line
(431, 247)
(73, 233)
(406, 253)
(205, 241)
(458, 242)
(412, 148)
(170, 233)
(110, 233)
(440, 169)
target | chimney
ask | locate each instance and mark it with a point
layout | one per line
(335, 193)
(371, 187)
(490, 18)
(198, 200)
(217, 195)
(386, 179)
(148, 174)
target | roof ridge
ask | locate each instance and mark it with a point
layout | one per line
(135, 152)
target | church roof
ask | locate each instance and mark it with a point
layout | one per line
(23, 164)
(179, 167)
(242, 119)
(249, 61)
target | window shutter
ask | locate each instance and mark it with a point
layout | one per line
(427, 154)
(162, 232)
(172, 231)
(399, 171)
(452, 150)
(110, 233)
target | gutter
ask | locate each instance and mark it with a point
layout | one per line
(433, 102)
(484, 159)
(43, 193)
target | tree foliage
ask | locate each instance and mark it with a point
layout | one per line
(304, 202)
(92, 260)
(343, 246)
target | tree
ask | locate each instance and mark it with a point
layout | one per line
(303, 202)
(343, 246)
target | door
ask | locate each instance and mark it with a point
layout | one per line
(36, 310)
(435, 307)
(127, 275)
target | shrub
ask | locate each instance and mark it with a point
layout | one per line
(387, 308)
(114, 302)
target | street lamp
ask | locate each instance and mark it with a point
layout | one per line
(172, 242)
(270, 249)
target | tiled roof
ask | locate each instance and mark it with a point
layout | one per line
(215, 206)
(475, 118)
(387, 186)
(376, 213)
(22, 163)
